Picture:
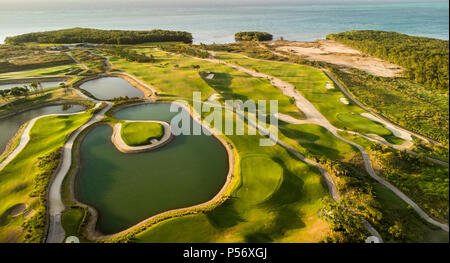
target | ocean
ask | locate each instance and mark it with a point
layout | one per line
(303, 22)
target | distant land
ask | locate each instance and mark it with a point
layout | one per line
(212, 24)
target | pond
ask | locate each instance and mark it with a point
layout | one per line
(108, 88)
(49, 84)
(9, 126)
(128, 188)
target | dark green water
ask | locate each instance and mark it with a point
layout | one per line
(128, 188)
(10, 126)
(111, 87)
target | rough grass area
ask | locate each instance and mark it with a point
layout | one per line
(141, 133)
(408, 104)
(24, 180)
(316, 140)
(71, 219)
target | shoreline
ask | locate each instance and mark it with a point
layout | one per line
(91, 227)
(120, 144)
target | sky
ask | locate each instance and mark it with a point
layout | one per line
(112, 3)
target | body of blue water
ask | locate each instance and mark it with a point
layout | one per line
(210, 24)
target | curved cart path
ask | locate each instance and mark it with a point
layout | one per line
(328, 179)
(56, 232)
(25, 137)
(314, 116)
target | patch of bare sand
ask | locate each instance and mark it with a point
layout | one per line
(12, 236)
(18, 209)
(28, 213)
(336, 53)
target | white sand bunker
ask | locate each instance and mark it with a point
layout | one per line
(214, 96)
(28, 213)
(210, 76)
(329, 86)
(17, 209)
(398, 133)
(344, 100)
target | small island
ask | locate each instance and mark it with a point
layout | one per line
(141, 136)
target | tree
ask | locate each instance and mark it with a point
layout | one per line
(34, 86)
(65, 87)
(4, 93)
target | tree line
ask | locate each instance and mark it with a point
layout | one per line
(130, 55)
(34, 87)
(256, 36)
(426, 59)
(98, 36)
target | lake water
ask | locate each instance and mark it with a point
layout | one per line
(10, 126)
(128, 188)
(209, 23)
(45, 85)
(111, 87)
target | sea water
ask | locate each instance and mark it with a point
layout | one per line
(294, 20)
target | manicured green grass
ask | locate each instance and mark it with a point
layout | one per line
(310, 82)
(407, 104)
(276, 199)
(141, 133)
(316, 140)
(414, 228)
(18, 178)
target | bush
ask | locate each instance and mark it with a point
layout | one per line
(256, 36)
(79, 35)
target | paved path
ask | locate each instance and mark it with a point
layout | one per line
(25, 138)
(77, 61)
(381, 119)
(314, 116)
(56, 232)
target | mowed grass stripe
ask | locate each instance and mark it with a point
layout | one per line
(141, 133)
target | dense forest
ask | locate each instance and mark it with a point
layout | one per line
(98, 36)
(426, 59)
(249, 36)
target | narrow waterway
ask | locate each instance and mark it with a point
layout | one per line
(9, 126)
